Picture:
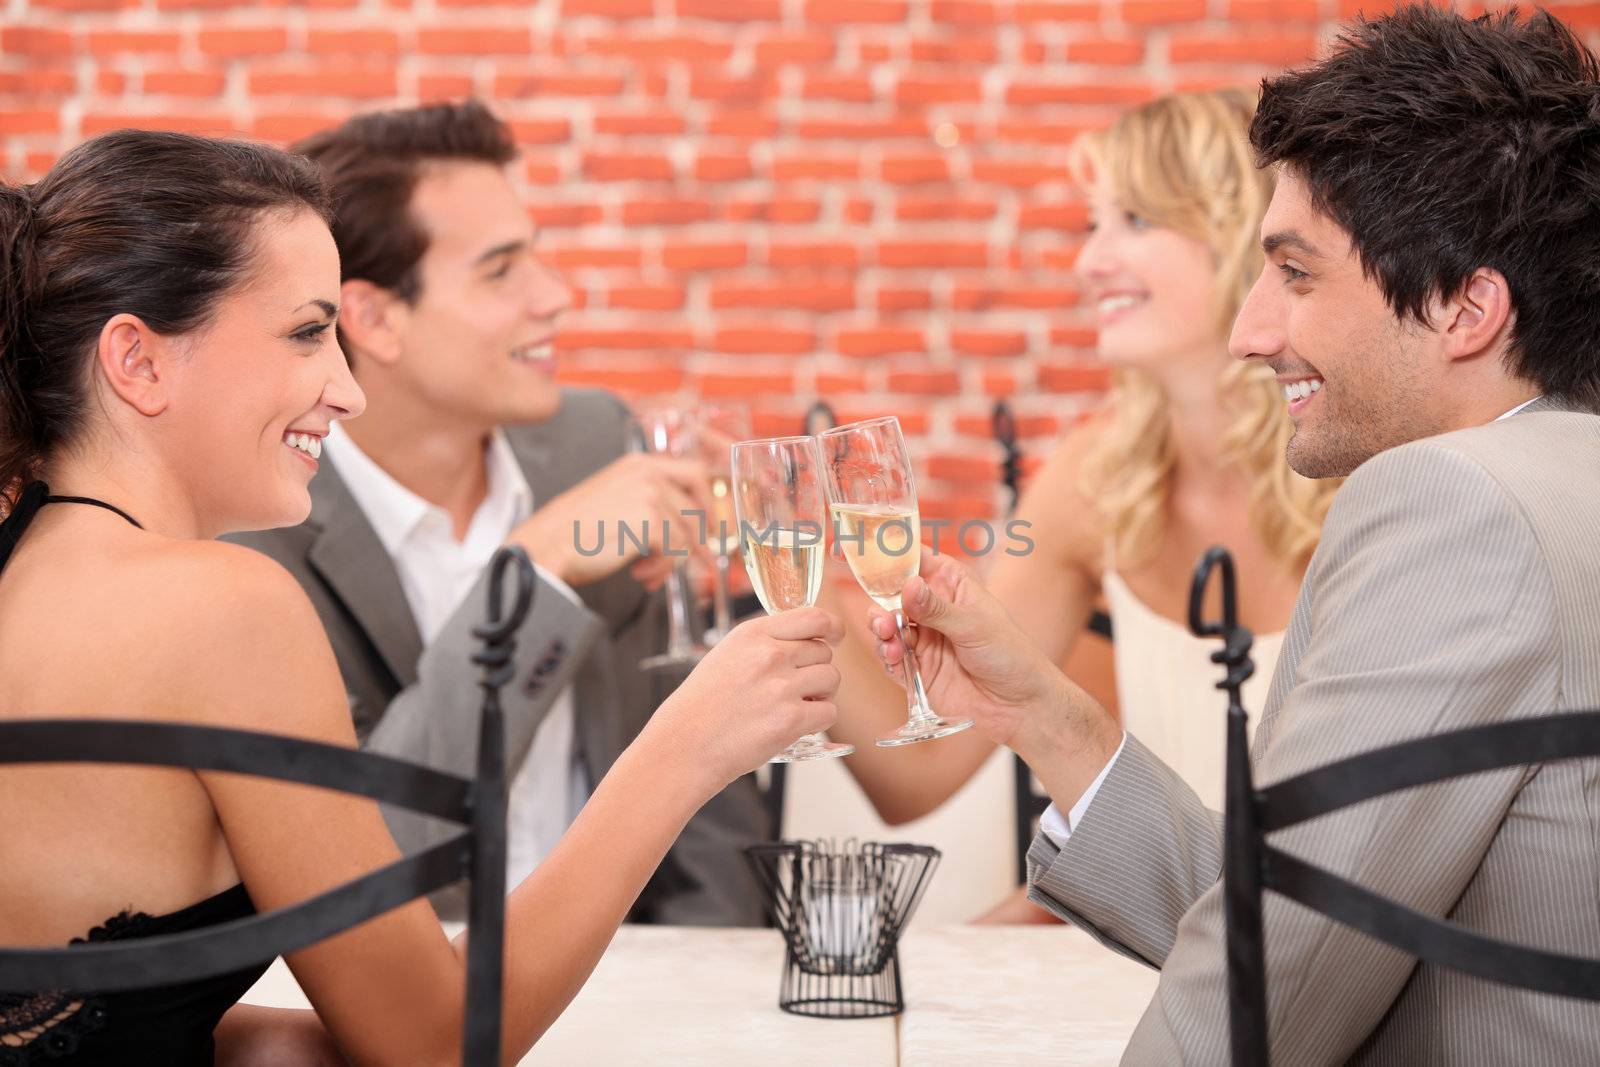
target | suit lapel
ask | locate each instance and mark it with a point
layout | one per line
(353, 562)
(534, 452)
(617, 600)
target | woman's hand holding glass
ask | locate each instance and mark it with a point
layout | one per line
(769, 681)
(781, 507)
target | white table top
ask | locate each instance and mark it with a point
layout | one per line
(1019, 995)
(1023, 996)
(696, 996)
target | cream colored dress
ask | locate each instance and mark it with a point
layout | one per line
(1166, 688)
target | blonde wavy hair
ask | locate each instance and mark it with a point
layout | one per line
(1184, 163)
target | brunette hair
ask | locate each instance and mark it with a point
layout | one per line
(1443, 145)
(373, 162)
(151, 224)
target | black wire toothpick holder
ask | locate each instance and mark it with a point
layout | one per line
(841, 912)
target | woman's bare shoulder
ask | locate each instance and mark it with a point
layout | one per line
(211, 582)
(1062, 515)
(227, 626)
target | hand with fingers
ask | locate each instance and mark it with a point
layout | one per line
(664, 495)
(769, 681)
(976, 661)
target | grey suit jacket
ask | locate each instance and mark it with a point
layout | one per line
(1457, 583)
(421, 703)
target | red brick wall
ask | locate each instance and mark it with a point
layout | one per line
(777, 200)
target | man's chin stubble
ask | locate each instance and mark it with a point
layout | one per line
(1310, 462)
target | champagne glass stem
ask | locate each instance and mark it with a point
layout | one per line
(722, 620)
(677, 612)
(918, 710)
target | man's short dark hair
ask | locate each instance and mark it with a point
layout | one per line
(373, 161)
(1442, 145)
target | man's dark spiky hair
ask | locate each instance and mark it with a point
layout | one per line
(1443, 145)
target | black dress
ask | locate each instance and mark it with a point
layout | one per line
(170, 1026)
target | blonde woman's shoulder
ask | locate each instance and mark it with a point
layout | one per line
(1065, 523)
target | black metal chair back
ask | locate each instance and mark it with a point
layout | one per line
(819, 416)
(1242, 924)
(1250, 865)
(1028, 797)
(478, 854)
(1029, 802)
(1004, 426)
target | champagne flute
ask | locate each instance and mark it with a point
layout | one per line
(780, 505)
(873, 501)
(721, 425)
(671, 432)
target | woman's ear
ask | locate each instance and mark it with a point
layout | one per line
(137, 363)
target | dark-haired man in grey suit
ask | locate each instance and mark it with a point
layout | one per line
(1431, 304)
(448, 317)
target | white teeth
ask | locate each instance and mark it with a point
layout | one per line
(1108, 304)
(533, 353)
(309, 443)
(1300, 390)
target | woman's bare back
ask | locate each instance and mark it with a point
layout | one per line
(86, 613)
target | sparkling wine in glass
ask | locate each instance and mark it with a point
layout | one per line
(885, 547)
(873, 501)
(672, 432)
(781, 507)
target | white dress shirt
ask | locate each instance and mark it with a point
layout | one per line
(437, 572)
(1058, 827)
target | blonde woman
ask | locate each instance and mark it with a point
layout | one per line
(1187, 452)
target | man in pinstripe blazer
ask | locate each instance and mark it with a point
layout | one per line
(1431, 303)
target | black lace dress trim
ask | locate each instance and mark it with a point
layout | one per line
(170, 1026)
(45, 1026)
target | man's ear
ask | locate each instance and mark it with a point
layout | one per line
(373, 319)
(1477, 320)
(137, 363)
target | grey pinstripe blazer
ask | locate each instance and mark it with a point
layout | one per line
(1457, 583)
